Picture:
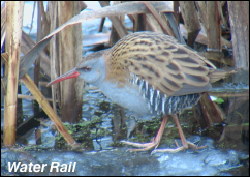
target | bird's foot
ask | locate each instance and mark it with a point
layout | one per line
(188, 145)
(143, 146)
(154, 144)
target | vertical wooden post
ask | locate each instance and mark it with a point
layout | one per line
(14, 21)
(213, 26)
(190, 17)
(239, 22)
(67, 50)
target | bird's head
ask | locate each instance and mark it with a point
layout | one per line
(91, 70)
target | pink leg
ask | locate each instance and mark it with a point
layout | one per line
(185, 143)
(154, 143)
(157, 139)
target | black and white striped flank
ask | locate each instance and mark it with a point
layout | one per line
(160, 103)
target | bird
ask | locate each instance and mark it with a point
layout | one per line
(149, 73)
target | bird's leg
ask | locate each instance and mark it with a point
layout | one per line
(155, 142)
(185, 143)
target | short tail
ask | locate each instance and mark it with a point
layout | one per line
(218, 74)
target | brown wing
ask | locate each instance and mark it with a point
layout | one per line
(166, 65)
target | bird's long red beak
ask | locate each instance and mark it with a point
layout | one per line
(73, 73)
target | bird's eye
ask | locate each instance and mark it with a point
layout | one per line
(85, 68)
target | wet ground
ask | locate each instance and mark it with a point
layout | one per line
(118, 162)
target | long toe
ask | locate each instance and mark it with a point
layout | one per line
(195, 147)
(142, 146)
(181, 148)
